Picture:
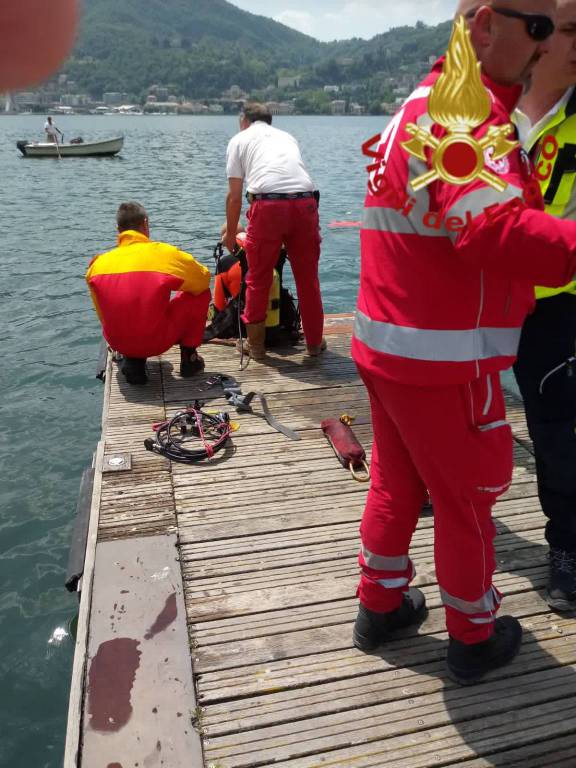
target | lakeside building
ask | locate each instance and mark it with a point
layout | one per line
(280, 108)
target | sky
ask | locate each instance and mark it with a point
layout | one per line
(343, 19)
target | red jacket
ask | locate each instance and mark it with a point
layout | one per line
(445, 284)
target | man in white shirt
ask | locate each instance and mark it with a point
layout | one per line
(52, 132)
(283, 210)
(546, 364)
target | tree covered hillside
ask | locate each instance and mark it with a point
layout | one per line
(201, 47)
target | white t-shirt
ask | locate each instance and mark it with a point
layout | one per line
(50, 129)
(269, 160)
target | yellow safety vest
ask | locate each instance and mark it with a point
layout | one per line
(553, 151)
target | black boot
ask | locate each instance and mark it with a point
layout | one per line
(467, 664)
(561, 593)
(134, 370)
(372, 628)
(190, 362)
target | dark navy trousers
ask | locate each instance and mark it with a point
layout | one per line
(548, 340)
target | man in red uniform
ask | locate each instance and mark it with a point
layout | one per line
(131, 287)
(447, 280)
(283, 210)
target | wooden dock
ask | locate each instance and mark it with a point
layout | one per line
(218, 600)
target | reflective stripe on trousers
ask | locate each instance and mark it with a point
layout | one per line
(488, 603)
(399, 571)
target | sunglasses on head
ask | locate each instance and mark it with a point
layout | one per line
(538, 26)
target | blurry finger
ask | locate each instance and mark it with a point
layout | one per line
(35, 38)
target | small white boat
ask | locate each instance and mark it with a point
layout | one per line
(106, 148)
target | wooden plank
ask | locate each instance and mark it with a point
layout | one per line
(445, 745)
(550, 753)
(316, 667)
(391, 719)
(300, 617)
(214, 541)
(292, 644)
(198, 563)
(544, 648)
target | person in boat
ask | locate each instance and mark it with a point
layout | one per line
(52, 131)
(283, 209)
(545, 369)
(131, 287)
(439, 315)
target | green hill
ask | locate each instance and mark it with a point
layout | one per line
(201, 47)
(106, 23)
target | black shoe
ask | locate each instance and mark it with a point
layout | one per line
(372, 628)
(134, 370)
(467, 664)
(190, 362)
(561, 594)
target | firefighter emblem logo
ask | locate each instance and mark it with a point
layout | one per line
(460, 102)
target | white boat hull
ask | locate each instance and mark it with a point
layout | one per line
(105, 148)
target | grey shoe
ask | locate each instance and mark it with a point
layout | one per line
(561, 594)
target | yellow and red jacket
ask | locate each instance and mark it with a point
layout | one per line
(131, 287)
(554, 154)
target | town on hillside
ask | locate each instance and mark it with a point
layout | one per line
(61, 95)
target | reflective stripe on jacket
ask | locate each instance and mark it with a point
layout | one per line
(131, 286)
(553, 149)
(448, 272)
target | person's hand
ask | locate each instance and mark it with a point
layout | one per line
(35, 37)
(230, 242)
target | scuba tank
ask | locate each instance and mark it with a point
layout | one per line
(282, 318)
(273, 313)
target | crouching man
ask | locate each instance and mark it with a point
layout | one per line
(132, 286)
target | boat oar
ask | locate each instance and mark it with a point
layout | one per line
(57, 146)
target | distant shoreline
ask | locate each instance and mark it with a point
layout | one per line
(40, 115)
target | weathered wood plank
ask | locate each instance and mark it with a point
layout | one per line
(544, 648)
(317, 667)
(268, 546)
(391, 719)
(336, 637)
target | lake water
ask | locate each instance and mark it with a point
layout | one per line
(55, 215)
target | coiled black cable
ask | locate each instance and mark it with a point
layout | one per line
(193, 424)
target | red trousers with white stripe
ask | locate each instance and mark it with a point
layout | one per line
(453, 441)
(294, 223)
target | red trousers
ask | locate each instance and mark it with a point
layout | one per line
(455, 442)
(295, 224)
(183, 322)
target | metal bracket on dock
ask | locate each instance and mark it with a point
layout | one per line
(80, 533)
(117, 462)
(102, 361)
